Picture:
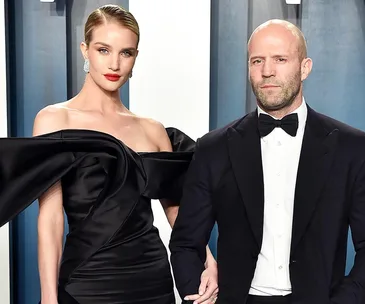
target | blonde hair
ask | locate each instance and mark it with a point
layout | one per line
(107, 13)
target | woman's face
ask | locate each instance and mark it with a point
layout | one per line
(112, 52)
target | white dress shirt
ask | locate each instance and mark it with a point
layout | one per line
(280, 158)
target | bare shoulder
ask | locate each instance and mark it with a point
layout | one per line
(50, 119)
(157, 133)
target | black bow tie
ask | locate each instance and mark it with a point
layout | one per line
(288, 123)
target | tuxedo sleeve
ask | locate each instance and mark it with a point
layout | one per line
(352, 289)
(193, 225)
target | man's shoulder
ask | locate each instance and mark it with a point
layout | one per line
(345, 129)
(350, 139)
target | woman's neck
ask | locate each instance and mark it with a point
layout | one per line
(92, 97)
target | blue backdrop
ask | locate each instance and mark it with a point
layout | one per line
(38, 77)
(336, 44)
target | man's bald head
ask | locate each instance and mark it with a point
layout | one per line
(283, 25)
(278, 64)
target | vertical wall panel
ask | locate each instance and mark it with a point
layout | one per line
(171, 78)
(335, 32)
(38, 78)
(228, 85)
(4, 231)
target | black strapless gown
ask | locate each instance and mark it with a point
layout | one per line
(113, 254)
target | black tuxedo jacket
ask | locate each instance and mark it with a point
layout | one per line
(225, 185)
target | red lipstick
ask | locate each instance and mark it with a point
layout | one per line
(112, 77)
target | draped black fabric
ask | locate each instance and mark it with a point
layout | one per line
(113, 253)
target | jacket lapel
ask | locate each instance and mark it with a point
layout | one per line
(245, 155)
(318, 147)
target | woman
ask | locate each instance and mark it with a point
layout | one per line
(102, 164)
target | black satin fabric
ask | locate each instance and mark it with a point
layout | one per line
(113, 253)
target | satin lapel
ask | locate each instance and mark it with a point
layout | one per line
(245, 155)
(318, 150)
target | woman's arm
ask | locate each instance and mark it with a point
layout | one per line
(50, 218)
(208, 289)
(50, 238)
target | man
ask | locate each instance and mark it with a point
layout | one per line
(284, 184)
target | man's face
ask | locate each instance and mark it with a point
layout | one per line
(274, 67)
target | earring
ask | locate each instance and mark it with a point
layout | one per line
(86, 66)
(131, 74)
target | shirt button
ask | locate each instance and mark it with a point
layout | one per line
(278, 143)
(280, 267)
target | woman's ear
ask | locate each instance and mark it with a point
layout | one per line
(84, 50)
